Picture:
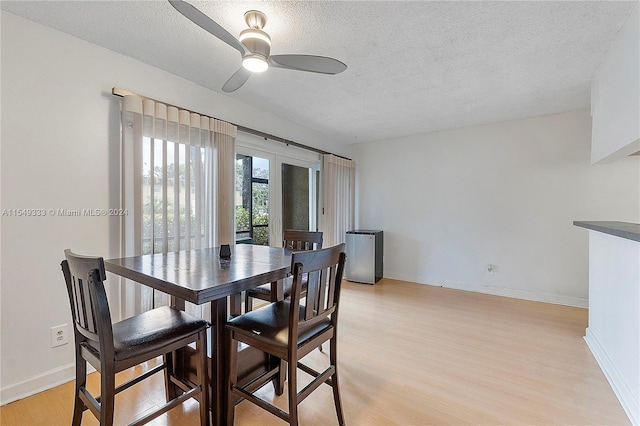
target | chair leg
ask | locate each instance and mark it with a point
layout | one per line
(107, 395)
(169, 388)
(293, 392)
(81, 382)
(333, 359)
(232, 378)
(203, 375)
(248, 302)
(278, 381)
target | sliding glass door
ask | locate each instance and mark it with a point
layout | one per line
(298, 196)
(273, 192)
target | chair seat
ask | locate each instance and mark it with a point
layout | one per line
(152, 330)
(270, 324)
(265, 289)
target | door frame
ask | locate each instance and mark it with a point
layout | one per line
(277, 154)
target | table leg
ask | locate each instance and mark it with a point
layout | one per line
(219, 364)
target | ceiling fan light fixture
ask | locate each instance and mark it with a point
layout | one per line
(255, 63)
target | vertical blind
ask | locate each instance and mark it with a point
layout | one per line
(338, 198)
(178, 180)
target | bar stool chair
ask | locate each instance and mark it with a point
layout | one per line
(298, 241)
(111, 348)
(290, 330)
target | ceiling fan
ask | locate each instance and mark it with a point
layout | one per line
(255, 46)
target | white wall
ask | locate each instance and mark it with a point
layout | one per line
(60, 150)
(615, 96)
(505, 194)
(614, 319)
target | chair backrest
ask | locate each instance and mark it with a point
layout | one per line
(324, 269)
(301, 240)
(84, 276)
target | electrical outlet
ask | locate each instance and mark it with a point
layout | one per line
(59, 335)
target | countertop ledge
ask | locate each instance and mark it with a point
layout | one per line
(627, 230)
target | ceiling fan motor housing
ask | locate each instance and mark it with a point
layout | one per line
(256, 41)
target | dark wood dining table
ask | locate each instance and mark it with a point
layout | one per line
(201, 276)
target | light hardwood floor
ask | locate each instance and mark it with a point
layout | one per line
(414, 354)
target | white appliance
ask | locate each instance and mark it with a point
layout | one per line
(364, 256)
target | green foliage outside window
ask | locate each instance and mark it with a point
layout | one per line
(246, 226)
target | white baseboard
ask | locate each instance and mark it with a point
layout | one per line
(630, 404)
(556, 299)
(38, 384)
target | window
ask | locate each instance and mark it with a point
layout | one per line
(173, 195)
(252, 200)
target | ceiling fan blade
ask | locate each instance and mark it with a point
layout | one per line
(310, 63)
(236, 81)
(208, 24)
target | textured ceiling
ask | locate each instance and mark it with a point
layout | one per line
(413, 67)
